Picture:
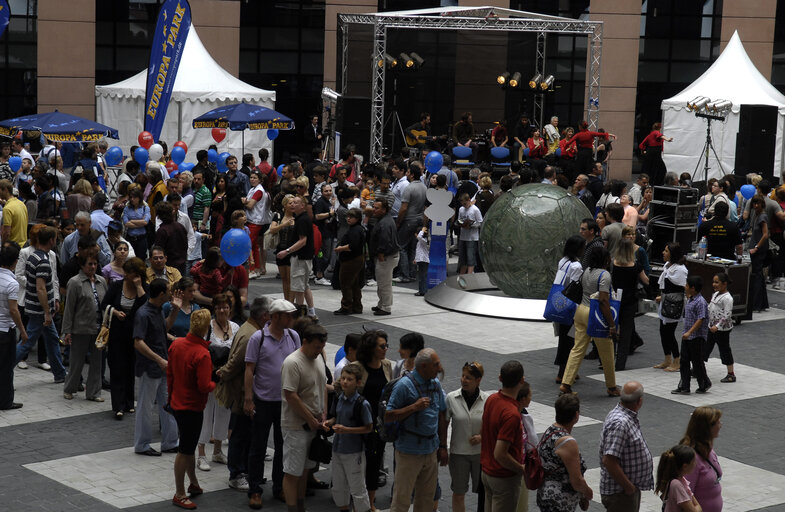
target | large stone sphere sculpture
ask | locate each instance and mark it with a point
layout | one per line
(523, 234)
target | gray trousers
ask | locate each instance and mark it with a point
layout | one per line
(384, 272)
(81, 344)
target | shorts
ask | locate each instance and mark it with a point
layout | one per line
(189, 426)
(296, 445)
(300, 273)
(468, 249)
(461, 467)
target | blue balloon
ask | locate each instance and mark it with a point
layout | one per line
(185, 166)
(212, 156)
(222, 161)
(280, 170)
(178, 155)
(747, 191)
(141, 155)
(114, 156)
(15, 162)
(272, 134)
(433, 162)
(235, 247)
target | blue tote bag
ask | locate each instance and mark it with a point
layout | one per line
(598, 326)
(559, 308)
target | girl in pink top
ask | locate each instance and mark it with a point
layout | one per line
(703, 428)
(672, 487)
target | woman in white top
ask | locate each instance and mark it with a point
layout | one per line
(672, 281)
(569, 270)
(215, 423)
(257, 206)
(718, 195)
(465, 406)
(721, 323)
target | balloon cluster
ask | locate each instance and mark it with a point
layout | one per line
(150, 151)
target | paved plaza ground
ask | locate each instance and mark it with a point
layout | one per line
(63, 455)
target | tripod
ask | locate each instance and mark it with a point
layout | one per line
(706, 147)
(330, 132)
(394, 118)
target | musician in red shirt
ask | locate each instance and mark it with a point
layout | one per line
(651, 148)
(584, 139)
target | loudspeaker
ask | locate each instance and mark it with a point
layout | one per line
(661, 233)
(756, 141)
(354, 122)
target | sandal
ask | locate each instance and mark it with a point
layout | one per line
(195, 490)
(183, 502)
(614, 391)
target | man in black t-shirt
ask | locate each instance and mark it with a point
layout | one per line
(301, 252)
(722, 235)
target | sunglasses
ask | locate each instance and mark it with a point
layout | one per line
(384, 346)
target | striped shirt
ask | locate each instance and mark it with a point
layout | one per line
(38, 268)
(202, 199)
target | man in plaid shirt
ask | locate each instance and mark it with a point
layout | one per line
(626, 463)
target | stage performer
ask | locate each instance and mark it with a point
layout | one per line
(423, 125)
(585, 141)
(651, 147)
(463, 133)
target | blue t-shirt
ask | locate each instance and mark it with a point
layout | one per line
(420, 432)
(344, 410)
(182, 323)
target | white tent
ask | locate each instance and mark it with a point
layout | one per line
(201, 85)
(732, 77)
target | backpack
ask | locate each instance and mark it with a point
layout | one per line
(390, 431)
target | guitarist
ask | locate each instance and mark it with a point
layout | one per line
(420, 132)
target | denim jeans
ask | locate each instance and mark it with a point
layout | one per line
(422, 277)
(150, 391)
(239, 445)
(35, 330)
(268, 414)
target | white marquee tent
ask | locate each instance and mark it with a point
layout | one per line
(201, 85)
(732, 77)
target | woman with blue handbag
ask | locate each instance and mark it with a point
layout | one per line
(596, 279)
(569, 270)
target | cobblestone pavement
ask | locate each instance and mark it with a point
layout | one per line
(63, 455)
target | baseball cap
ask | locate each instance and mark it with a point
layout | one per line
(282, 306)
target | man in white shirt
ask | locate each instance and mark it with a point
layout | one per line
(470, 220)
(175, 200)
(552, 134)
(18, 148)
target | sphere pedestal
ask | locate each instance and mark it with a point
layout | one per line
(474, 294)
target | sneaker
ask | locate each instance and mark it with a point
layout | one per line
(202, 464)
(45, 366)
(253, 275)
(22, 365)
(323, 281)
(728, 378)
(220, 458)
(370, 282)
(240, 483)
(399, 279)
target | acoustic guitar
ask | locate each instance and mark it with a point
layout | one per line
(421, 137)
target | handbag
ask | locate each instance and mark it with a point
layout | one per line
(672, 305)
(102, 339)
(270, 241)
(574, 291)
(533, 472)
(598, 326)
(321, 449)
(559, 308)
(219, 354)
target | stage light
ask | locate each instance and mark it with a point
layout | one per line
(503, 78)
(406, 61)
(547, 83)
(388, 60)
(692, 102)
(535, 81)
(719, 106)
(418, 61)
(330, 95)
(698, 103)
(515, 80)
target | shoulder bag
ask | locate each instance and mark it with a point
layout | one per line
(559, 308)
(102, 339)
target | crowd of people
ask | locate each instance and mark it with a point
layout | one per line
(133, 258)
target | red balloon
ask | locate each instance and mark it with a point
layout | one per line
(171, 166)
(219, 134)
(181, 144)
(146, 139)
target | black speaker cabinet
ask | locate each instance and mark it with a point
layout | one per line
(354, 121)
(756, 141)
(661, 233)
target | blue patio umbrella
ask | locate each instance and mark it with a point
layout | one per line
(244, 116)
(58, 127)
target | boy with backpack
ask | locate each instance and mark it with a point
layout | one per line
(351, 420)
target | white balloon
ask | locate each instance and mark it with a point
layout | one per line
(156, 152)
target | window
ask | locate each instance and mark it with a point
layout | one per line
(19, 61)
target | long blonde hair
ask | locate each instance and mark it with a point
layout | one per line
(624, 253)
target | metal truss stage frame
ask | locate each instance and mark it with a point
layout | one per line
(467, 18)
(464, 294)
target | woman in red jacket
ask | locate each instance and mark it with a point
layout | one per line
(538, 148)
(189, 379)
(568, 150)
(651, 148)
(584, 139)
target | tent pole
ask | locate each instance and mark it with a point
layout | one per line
(179, 121)
(243, 143)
